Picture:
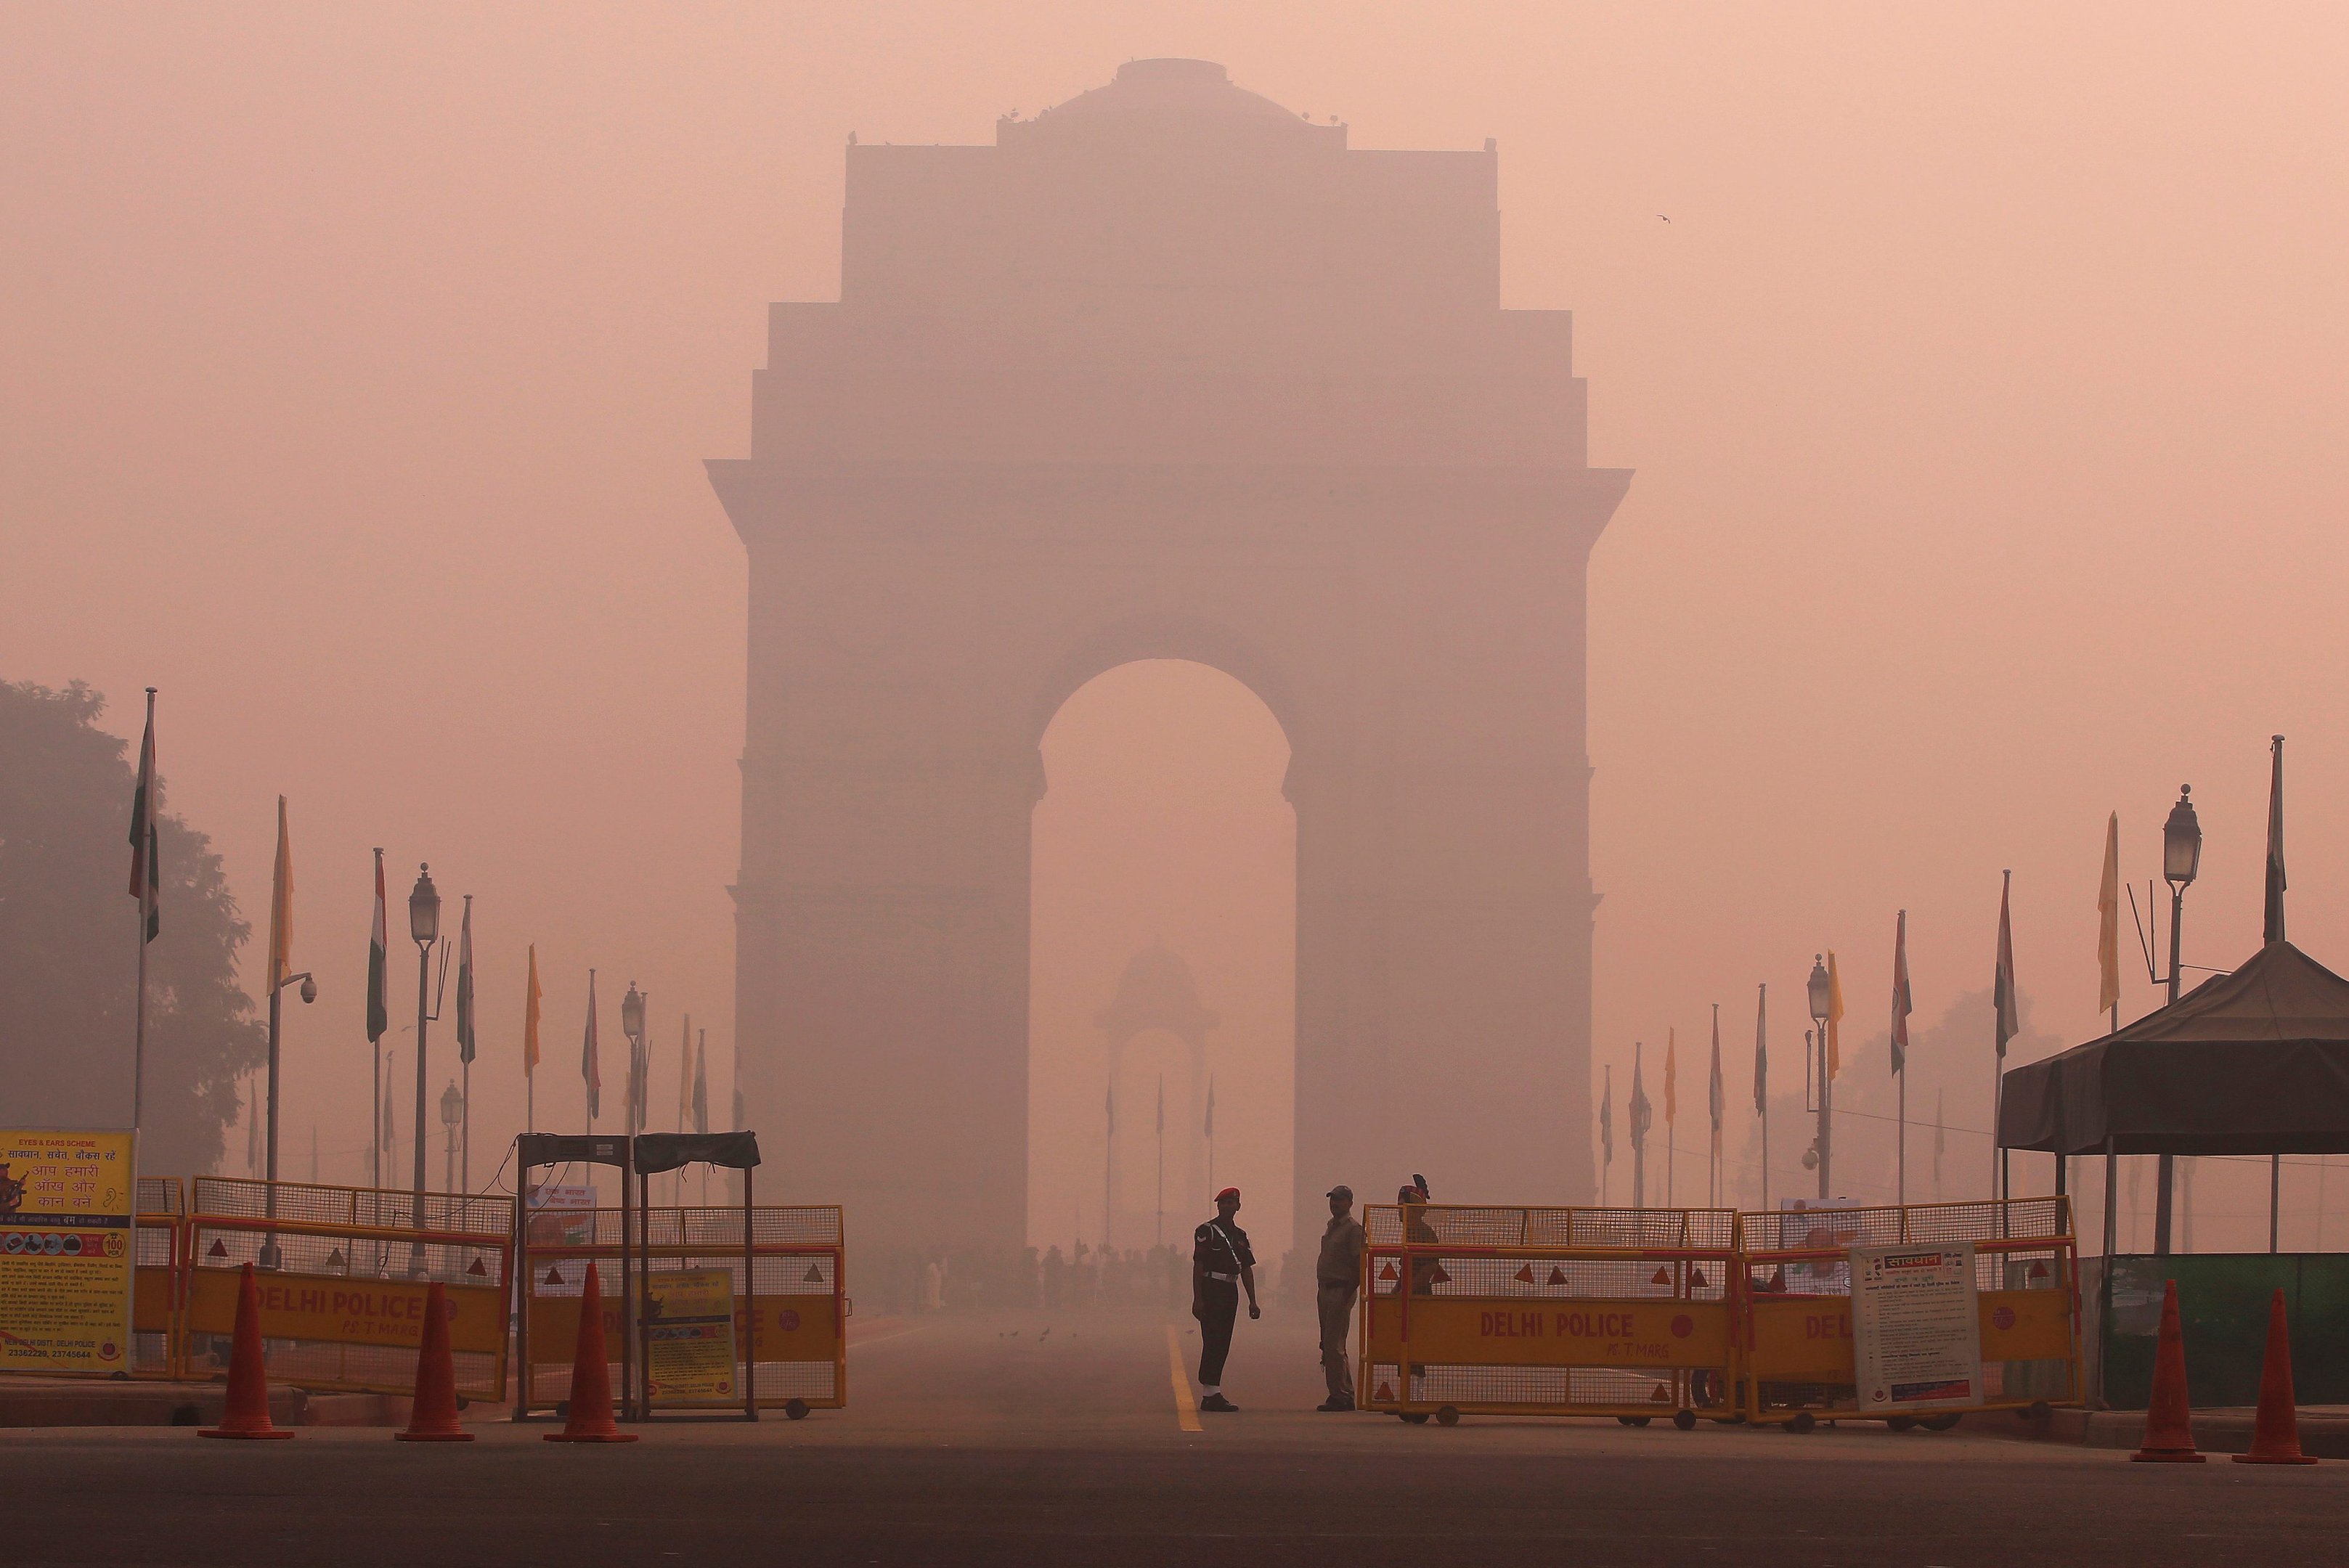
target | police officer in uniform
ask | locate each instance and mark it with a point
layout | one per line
(1221, 1264)
(1337, 1276)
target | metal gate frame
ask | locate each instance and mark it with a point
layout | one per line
(533, 1151)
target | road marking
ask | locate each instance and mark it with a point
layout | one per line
(884, 1338)
(1186, 1414)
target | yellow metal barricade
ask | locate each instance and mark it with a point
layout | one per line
(343, 1275)
(159, 1278)
(1797, 1286)
(1627, 1313)
(790, 1297)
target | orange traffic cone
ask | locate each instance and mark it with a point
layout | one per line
(432, 1413)
(590, 1420)
(247, 1411)
(2275, 1431)
(2169, 1423)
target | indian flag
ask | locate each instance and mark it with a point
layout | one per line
(145, 871)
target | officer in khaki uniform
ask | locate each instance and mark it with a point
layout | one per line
(1337, 1276)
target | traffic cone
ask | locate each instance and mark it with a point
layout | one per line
(432, 1412)
(590, 1420)
(246, 1414)
(2275, 1430)
(2169, 1424)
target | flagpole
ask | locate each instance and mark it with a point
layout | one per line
(1762, 1079)
(1899, 1037)
(143, 855)
(138, 1030)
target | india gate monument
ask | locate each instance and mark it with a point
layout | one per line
(1167, 372)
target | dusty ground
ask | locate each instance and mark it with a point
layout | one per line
(985, 1441)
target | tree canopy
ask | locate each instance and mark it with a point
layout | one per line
(69, 953)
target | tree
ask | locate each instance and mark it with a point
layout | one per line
(69, 954)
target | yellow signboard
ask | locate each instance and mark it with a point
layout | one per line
(66, 1209)
(689, 1336)
(1472, 1331)
(790, 1328)
(336, 1310)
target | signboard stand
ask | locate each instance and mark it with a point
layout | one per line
(1915, 1328)
(657, 1152)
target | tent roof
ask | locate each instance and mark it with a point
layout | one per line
(2251, 1062)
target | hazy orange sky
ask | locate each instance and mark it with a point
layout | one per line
(1985, 385)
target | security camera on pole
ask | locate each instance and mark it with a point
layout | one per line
(280, 964)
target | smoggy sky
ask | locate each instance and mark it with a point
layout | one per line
(1985, 386)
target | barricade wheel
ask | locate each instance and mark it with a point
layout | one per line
(1417, 1417)
(1447, 1416)
(1940, 1423)
(1803, 1423)
(1684, 1420)
(1900, 1423)
(1633, 1421)
(796, 1410)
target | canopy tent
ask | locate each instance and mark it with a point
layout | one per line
(2253, 1062)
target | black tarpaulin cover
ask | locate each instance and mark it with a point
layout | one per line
(659, 1151)
(2254, 1062)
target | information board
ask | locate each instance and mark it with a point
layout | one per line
(66, 1200)
(689, 1336)
(560, 1215)
(1916, 1327)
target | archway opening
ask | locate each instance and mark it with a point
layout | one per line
(1164, 859)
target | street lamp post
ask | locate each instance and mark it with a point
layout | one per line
(424, 928)
(1821, 993)
(632, 1024)
(2181, 859)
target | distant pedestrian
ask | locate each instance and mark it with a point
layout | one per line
(1221, 1265)
(1336, 1277)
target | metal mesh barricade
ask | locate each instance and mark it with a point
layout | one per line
(788, 1296)
(343, 1275)
(1549, 1311)
(157, 1285)
(1797, 1318)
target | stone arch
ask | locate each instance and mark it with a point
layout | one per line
(1165, 372)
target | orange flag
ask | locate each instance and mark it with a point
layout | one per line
(530, 1018)
(1672, 1101)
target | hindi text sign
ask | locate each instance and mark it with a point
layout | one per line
(1915, 1328)
(66, 1200)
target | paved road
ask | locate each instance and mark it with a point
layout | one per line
(979, 1441)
